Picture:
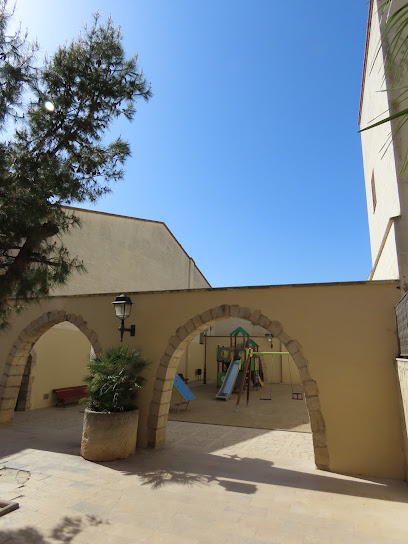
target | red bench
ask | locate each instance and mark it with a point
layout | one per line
(70, 394)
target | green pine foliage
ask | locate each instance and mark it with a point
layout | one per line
(58, 114)
(114, 380)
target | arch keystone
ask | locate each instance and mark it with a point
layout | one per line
(234, 310)
(244, 313)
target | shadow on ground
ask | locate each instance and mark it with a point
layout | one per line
(59, 430)
(65, 532)
(159, 468)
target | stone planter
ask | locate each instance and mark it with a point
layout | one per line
(109, 436)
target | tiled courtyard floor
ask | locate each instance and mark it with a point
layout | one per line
(280, 412)
(209, 484)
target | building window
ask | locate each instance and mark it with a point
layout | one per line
(373, 192)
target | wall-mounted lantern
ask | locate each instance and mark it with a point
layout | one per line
(269, 337)
(123, 307)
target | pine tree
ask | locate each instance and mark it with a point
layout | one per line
(57, 153)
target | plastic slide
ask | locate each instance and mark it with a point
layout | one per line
(229, 381)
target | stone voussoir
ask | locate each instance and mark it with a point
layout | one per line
(164, 385)
(54, 315)
(29, 329)
(217, 312)
(163, 373)
(304, 374)
(319, 440)
(206, 317)
(161, 396)
(293, 347)
(264, 322)
(244, 312)
(316, 421)
(254, 316)
(159, 409)
(174, 341)
(83, 327)
(93, 337)
(310, 388)
(226, 309)
(322, 459)
(300, 360)
(170, 350)
(197, 321)
(275, 328)
(313, 403)
(234, 310)
(189, 326)
(165, 360)
(182, 333)
(11, 381)
(157, 437)
(284, 338)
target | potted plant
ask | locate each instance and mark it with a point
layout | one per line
(111, 419)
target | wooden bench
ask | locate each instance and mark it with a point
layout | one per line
(70, 394)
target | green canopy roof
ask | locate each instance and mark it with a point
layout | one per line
(237, 331)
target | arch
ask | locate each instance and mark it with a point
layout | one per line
(10, 381)
(166, 371)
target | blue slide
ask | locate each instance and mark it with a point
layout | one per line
(182, 389)
(229, 381)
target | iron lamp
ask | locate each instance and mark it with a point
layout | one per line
(269, 337)
(123, 306)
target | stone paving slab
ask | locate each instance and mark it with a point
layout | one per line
(209, 484)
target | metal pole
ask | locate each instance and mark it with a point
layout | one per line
(205, 359)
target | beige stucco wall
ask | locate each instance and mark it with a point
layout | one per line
(402, 374)
(387, 266)
(375, 104)
(381, 97)
(347, 333)
(62, 354)
(123, 254)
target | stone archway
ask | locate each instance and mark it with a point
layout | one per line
(16, 361)
(163, 385)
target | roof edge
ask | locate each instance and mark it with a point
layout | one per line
(370, 14)
(367, 283)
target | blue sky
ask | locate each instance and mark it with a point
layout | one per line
(249, 149)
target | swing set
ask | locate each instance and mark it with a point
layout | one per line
(246, 381)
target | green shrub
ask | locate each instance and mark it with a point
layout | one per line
(114, 380)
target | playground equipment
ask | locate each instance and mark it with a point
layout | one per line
(240, 365)
(235, 352)
(183, 392)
